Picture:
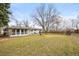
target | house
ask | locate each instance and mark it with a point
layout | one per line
(1, 31)
(77, 31)
(20, 31)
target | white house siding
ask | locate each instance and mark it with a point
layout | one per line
(1, 30)
(15, 31)
(22, 34)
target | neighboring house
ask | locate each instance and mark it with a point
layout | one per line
(1, 30)
(20, 31)
(77, 31)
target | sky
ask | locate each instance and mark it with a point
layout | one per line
(23, 11)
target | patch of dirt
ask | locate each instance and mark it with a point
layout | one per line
(2, 38)
(75, 38)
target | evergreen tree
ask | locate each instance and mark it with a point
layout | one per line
(4, 14)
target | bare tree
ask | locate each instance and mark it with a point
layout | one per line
(39, 16)
(73, 22)
(17, 22)
(45, 15)
(77, 22)
(26, 23)
(57, 21)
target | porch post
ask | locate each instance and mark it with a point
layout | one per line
(24, 31)
(20, 31)
(15, 31)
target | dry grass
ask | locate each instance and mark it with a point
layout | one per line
(46, 44)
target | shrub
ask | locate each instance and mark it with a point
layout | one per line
(68, 32)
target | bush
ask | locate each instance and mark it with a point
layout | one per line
(77, 31)
(68, 32)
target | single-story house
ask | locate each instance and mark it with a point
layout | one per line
(20, 31)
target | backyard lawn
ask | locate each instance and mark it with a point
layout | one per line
(46, 44)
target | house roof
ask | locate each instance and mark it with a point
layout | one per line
(16, 27)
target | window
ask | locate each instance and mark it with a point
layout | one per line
(18, 31)
(22, 31)
(13, 31)
(25, 31)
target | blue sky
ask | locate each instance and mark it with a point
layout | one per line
(68, 10)
(25, 10)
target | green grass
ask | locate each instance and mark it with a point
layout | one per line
(46, 44)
